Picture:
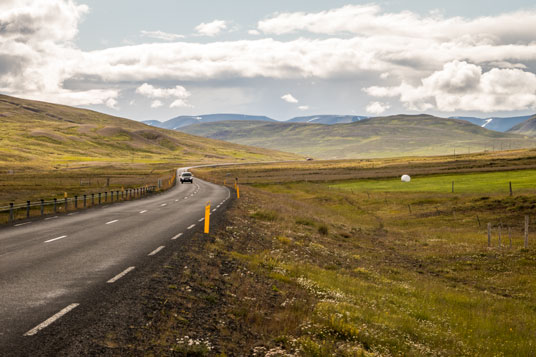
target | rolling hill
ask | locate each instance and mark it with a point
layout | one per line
(185, 120)
(38, 133)
(401, 135)
(528, 127)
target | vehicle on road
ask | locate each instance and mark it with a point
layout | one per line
(187, 177)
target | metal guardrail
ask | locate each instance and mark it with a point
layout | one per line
(73, 203)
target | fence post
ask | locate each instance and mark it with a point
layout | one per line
(452, 186)
(27, 209)
(112, 196)
(55, 205)
(85, 201)
(42, 207)
(99, 198)
(117, 195)
(66, 204)
(510, 237)
(526, 232)
(500, 228)
(106, 197)
(489, 234)
(93, 199)
(11, 215)
(75, 202)
(511, 193)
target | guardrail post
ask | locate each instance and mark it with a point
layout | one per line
(11, 216)
(106, 197)
(42, 207)
(112, 196)
(99, 198)
(27, 209)
(93, 199)
(66, 204)
(85, 201)
(55, 205)
(75, 202)
(117, 195)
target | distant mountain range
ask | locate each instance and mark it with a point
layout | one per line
(400, 135)
(327, 119)
(501, 124)
(495, 123)
(185, 120)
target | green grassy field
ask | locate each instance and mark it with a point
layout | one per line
(475, 183)
(399, 269)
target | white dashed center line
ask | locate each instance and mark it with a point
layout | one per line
(214, 210)
(54, 239)
(115, 220)
(142, 212)
(192, 226)
(22, 224)
(163, 204)
(49, 321)
(157, 250)
(201, 220)
(46, 219)
(120, 275)
(177, 236)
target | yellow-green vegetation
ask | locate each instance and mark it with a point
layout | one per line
(398, 270)
(393, 136)
(48, 149)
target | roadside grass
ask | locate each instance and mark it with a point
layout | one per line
(401, 271)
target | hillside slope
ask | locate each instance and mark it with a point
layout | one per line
(528, 127)
(38, 133)
(327, 119)
(377, 137)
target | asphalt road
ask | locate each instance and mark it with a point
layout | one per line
(48, 267)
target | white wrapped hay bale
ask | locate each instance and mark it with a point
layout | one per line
(406, 178)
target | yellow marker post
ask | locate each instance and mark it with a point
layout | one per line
(65, 194)
(237, 191)
(207, 217)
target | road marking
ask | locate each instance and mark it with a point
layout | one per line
(157, 250)
(72, 214)
(192, 226)
(50, 320)
(214, 210)
(46, 219)
(177, 236)
(201, 220)
(176, 200)
(115, 220)
(185, 198)
(120, 275)
(22, 224)
(142, 212)
(163, 204)
(53, 239)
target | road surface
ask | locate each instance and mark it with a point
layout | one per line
(49, 267)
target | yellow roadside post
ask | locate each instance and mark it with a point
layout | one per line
(207, 217)
(65, 194)
(237, 191)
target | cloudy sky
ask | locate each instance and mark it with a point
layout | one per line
(158, 59)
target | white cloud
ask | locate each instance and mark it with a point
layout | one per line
(371, 20)
(464, 86)
(111, 103)
(159, 35)
(38, 58)
(289, 98)
(377, 108)
(254, 32)
(211, 28)
(303, 107)
(179, 94)
(156, 104)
